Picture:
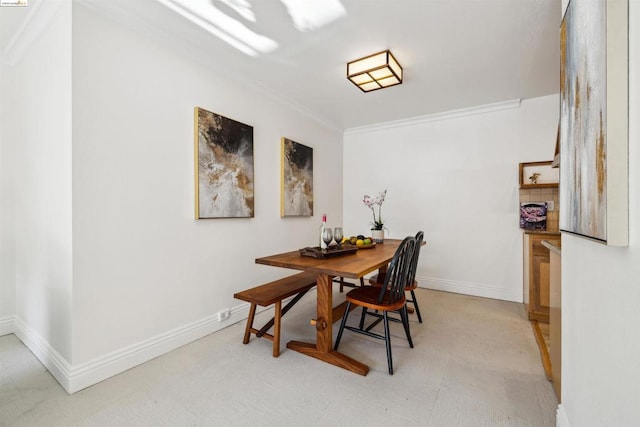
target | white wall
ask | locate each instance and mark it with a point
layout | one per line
(454, 176)
(143, 266)
(7, 248)
(601, 301)
(36, 114)
(103, 264)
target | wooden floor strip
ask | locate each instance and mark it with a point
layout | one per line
(542, 345)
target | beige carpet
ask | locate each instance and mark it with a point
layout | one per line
(475, 363)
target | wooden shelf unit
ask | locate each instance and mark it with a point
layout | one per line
(537, 275)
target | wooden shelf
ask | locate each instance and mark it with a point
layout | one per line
(550, 185)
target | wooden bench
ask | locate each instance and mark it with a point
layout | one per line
(273, 293)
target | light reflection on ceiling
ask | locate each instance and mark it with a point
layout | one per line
(306, 15)
(242, 8)
(208, 17)
(310, 15)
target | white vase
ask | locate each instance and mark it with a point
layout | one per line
(377, 236)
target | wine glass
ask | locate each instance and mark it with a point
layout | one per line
(327, 236)
(337, 236)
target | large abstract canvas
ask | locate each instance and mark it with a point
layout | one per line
(296, 197)
(224, 166)
(593, 121)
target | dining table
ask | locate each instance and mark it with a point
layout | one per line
(354, 266)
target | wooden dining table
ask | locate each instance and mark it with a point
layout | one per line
(354, 266)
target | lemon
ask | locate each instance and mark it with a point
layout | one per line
(359, 242)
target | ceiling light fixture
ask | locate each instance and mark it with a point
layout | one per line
(375, 71)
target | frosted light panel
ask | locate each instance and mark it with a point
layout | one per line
(361, 78)
(382, 73)
(390, 81)
(397, 69)
(366, 64)
(370, 86)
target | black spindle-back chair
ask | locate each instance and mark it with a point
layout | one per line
(389, 297)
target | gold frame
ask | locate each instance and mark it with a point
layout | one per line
(237, 136)
(196, 180)
(283, 214)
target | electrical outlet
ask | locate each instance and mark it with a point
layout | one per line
(551, 206)
(224, 314)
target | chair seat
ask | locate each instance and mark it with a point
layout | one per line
(378, 280)
(367, 296)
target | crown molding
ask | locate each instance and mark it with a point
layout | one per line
(293, 105)
(446, 115)
(40, 15)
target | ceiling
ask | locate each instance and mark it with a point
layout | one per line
(455, 53)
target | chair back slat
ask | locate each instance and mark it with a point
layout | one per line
(414, 261)
(398, 271)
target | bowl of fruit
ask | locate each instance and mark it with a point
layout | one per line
(360, 241)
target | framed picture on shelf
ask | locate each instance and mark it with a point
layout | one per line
(538, 175)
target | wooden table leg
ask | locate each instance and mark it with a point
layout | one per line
(323, 349)
(324, 329)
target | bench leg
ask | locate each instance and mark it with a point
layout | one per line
(286, 308)
(276, 329)
(247, 331)
(274, 322)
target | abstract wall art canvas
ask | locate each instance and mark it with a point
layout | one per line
(594, 121)
(296, 184)
(223, 166)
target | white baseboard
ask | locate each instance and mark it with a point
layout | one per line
(7, 325)
(561, 417)
(101, 368)
(468, 288)
(77, 377)
(57, 365)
